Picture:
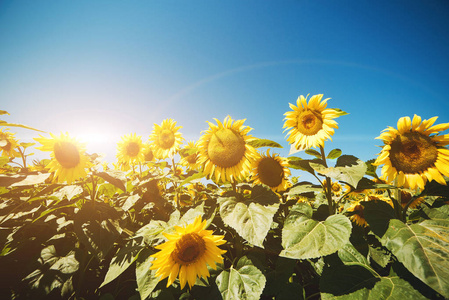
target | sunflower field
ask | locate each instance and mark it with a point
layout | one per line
(223, 217)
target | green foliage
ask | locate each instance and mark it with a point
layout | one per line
(94, 238)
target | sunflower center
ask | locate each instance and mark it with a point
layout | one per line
(413, 152)
(149, 155)
(188, 249)
(309, 122)
(336, 188)
(66, 154)
(166, 139)
(132, 149)
(226, 148)
(270, 172)
(192, 158)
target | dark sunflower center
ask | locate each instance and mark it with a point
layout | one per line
(413, 152)
(226, 148)
(66, 154)
(166, 139)
(336, 187)
(192, 158)
(7, 145)
(132, 149)
(270, 172)
(149, 155)
(309, 122)
(188, 249)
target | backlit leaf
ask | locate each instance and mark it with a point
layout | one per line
(259, 143)
(348, 168)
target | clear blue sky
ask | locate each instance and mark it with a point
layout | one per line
(117, 67)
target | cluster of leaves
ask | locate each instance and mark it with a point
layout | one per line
(94, 239)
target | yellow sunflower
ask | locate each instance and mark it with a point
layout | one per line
(148, 153)
(224, 150)
(414, 153)
(187, 253)
(310, 123)
(166, 139)
(190, 156)
(271, 170)
(69, 160)
(336, 187)
(8, 144)
(130, 150)
(406, 197)
(357, 216)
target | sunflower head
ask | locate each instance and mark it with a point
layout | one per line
(189, 156)
(414, 153)
(187, 252)
(224, 150)
(271, 170)
(69, 160)
(148, 153)
(356, 214)
(130, 150)
(310, 123)
(8, 144)
(166, 139)
(406, 197)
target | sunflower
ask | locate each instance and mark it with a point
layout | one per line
(187, 253)
(148, 153)
(336, 187)
(69, 160)
(189, 156)
(406, 197)
(166, 139)
(310, 123)
(224, 150)
(357, 216)
(414, 153)
(8, 144)
(271, 170)
(130, 150)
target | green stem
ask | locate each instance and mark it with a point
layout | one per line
(327, 188)
(94, 189)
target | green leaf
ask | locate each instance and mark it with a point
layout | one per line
(259, 143)
(348, 169)
(117, 178)
(303, 164)
(146, 278)
(335, 153)
(251, 218)
(304, 187)
(130, 201)
(370, 168)
(121, 261)
(152, 231)
(423, 249)
(245, 281)
(68, 191)
(4, 123)
(387, 288)
(195, 176)
(378, 214)
(23, 179)
(313, 153)
(303, 237)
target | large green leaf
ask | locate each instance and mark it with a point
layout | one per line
(304, 187)
(423, 249)
(378, 214)
(245, 281)
(117, 178)
(22, 179)
(390, 288)
(251, 218)
(146, 278)
(348, 168)
(121, 261)
(304, 237)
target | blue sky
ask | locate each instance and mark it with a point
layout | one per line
(111, 68)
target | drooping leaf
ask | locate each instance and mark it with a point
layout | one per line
(121, 261)
(117, 178)
(259, 143)
(304, 187)
(244, 281)
(251, 218)
(22, 179)
(423, 249)
(313, 153)
(378, 214)
(335, 153)
(304, 237)
(146, 278)
(348, 168)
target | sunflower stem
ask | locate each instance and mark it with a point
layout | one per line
(22, 154)
(327, 188)
(94, 189)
